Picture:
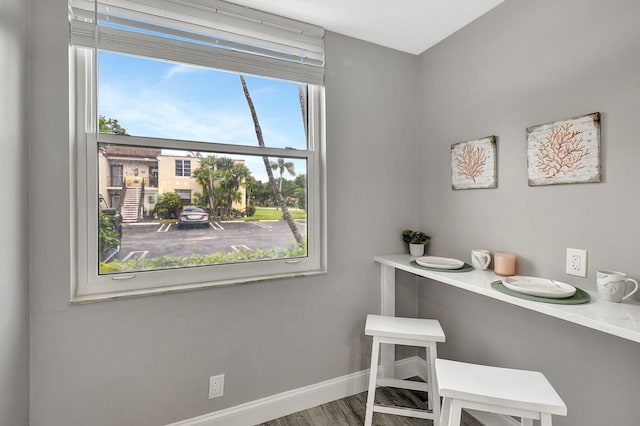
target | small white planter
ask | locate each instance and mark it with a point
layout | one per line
(416, 250)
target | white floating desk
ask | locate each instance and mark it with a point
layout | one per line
(618, 319)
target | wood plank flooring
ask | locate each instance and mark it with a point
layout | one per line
(350, 411)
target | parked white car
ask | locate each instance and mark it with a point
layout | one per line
(192, 215)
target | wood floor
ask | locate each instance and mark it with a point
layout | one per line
(350, 411)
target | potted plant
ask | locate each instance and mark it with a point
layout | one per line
(417, 241)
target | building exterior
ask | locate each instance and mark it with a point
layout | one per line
(130, 179)
(176, 175)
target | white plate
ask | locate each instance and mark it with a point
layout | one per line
(439, 262)
(542, 287)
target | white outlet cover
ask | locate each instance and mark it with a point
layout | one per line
(576, 262)
(216, 386)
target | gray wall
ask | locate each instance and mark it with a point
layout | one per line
(14, 285)
(522, 64)
(146, 361)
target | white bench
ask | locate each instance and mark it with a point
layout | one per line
(520, 393)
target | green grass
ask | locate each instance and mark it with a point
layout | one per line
(263, 213)
(270, 213)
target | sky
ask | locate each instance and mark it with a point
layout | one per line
(166, 100)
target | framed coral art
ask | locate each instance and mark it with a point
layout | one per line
(565, 151)
(473, 164)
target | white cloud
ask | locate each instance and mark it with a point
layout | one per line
(154, 113)
(180, 69)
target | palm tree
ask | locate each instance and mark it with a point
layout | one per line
(282, 166)
(302, 95)
(267, 165)
(231, 175)
(206, 176)
(250, 184)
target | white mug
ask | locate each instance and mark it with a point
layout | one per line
(480, 259)
(612, 286)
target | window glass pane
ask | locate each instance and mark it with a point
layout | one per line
(116, 175)
(224, 211)
(162, 99)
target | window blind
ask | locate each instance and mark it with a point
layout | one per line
(210, 33)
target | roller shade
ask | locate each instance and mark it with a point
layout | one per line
(211, 33)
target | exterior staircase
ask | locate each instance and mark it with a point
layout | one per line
(131, 205)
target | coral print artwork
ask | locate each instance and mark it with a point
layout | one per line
(473, 164)
(564, 151)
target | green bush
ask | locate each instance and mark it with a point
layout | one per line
(108, 236)
(217, 258)
(168, 205)
(250, 210)
(301, 195)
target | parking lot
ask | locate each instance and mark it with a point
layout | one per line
(150, 240)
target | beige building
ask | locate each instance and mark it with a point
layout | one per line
(132, 177)
(128, 179)
(175, 175)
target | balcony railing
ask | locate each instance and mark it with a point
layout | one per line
(117, 181)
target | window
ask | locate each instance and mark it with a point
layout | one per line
(116, 175)
(185, 196)
(174, 111)
(183, 168)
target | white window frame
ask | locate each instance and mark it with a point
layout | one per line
(182, 162)
(90, 286)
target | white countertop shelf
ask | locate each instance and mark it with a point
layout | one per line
(618, 319)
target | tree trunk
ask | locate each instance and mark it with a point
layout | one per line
(267, 164)
(211, 199)
(302, 95)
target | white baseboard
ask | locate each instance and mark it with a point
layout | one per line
(285, 403)
(410, 367)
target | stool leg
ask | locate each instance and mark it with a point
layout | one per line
(545, 419)
(373, 375)
(429, 380)
(434, 394)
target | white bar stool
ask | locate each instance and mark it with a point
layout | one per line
(520, 393)
(409, 332)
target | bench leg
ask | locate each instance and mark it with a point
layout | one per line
(446, 409)
(545, 419)
(434, 395)
(455, 413)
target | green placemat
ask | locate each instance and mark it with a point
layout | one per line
(579, 297)
(465, 268)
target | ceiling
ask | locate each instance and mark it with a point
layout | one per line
(410, 26)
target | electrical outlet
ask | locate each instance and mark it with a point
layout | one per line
(576, 262)
(216, 386)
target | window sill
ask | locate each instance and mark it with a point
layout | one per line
(104, 297)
